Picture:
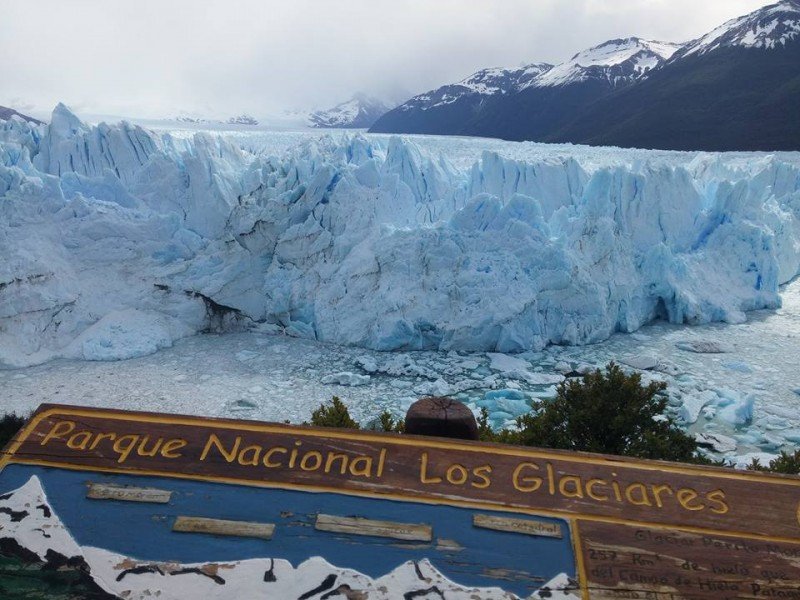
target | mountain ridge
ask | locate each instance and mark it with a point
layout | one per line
(624, 91)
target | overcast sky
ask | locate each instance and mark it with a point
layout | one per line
(154, 58)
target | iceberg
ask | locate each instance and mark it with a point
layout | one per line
(373, 242)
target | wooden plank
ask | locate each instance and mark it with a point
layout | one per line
(525, 526)
(102, 491)
(248, 529)
(487, 476)
(416, 532)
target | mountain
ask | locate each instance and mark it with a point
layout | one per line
(524, 103)
(360, 112)
(243, 119)
(446, 109)
(735, 88)
(771, 27)
(7, 113)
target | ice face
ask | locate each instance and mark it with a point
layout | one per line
(373, 242)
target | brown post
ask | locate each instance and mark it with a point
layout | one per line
(441, 417)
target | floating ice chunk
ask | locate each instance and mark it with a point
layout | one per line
(791, 435)
(644, 362)
(543, 378)
(692, 404)
(516, 368)
(346, 378)
(511, 401)
(717, 442)
(127, 334)
(369, 364)
(772, 441)
(739, 412)
(702, 346)
(246, 356)
(504, 362)
(741, 367)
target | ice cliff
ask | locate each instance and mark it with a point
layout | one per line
(115, 241)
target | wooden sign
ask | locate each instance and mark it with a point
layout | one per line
(191, 507)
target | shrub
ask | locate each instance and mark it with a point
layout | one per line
(787, 464)
(10, 424)
(386, 422)
(334, 414)
(608, 412)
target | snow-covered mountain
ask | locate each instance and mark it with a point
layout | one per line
(117, 241)
(484, 83)
(771, 27)
(31, 531)
(360, 112)
(619, 62)
(243, 119)
(736, 88)
(463, 107)
(634, 92)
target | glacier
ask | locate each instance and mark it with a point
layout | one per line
(116, 241)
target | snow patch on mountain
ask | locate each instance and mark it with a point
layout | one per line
(618, 61)
(486, 82)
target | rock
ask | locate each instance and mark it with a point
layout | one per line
(441, 417)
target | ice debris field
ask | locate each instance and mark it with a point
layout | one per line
(485, 267)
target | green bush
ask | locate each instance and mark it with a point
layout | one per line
(386, 422)
(334, 414)
(608, 412)
(787, 464)
(338, 416)
(10, 424)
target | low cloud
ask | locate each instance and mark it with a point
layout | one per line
(153, 58)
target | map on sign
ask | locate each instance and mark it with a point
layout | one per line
(113, 504)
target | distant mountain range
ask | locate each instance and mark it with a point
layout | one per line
(735, 88)
(360, 112)
(7, 113)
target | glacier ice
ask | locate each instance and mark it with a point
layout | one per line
(373, 242)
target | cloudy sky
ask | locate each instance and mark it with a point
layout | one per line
(155, 58)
